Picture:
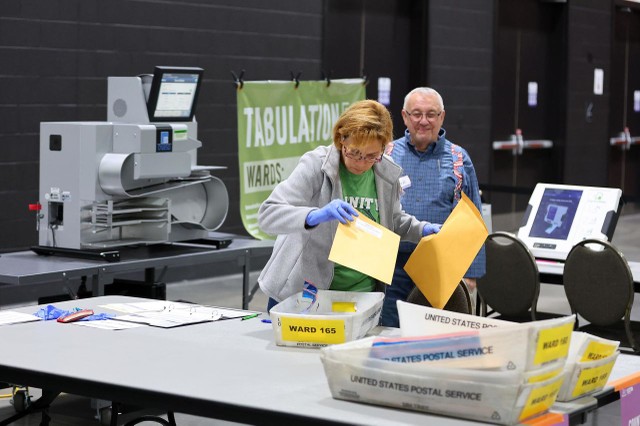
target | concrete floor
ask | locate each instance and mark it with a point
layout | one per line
(70, 410)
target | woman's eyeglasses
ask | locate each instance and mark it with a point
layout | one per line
(357, 155)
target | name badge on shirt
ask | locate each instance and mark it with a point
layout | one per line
(405, 182)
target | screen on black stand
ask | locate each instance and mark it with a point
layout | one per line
(174, 93)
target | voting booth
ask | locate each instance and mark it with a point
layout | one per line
(559, 216)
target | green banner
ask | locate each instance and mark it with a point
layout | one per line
(277, 123)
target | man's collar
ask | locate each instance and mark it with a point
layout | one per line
(438, 143)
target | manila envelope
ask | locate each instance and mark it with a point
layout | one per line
(367, 247)
(440, 260)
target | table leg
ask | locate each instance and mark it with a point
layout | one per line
(246, 270)
(41, 404)
(98, 282)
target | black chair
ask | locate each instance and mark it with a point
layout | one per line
(599, 287)
(460, 300)
(511, 285)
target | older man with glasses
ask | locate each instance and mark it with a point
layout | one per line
(436, 171)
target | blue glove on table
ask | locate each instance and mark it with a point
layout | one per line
(50, 312)
(431, 228)
(335, 210)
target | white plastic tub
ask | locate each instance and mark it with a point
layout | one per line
(335, 317)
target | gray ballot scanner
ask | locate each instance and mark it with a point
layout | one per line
(133, 179)
(560, 216)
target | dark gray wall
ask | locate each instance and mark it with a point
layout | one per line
(530, 46)
(57, 55)
(460, 67)
(373, 38)
(444, 44)
(625, 79)
(589, 39)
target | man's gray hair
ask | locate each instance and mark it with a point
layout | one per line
(424, 91)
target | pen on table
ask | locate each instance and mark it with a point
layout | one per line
(249, 316)
(266, 321)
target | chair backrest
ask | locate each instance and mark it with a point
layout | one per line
(598, 282)
(460, 300)
(511, 285)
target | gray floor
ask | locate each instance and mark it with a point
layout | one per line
(70, 410)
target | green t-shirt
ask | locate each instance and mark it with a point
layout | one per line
(360, 192)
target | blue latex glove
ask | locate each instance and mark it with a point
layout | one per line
(335, 210)
(98, 317)
(431, 228)
(50, 312)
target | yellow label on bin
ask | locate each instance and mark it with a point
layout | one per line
(553, 343)
(313, 330)
(544, 376)
(343, 306)
(597, 350)
(592, 378)
(541, 399)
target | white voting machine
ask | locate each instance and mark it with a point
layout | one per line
(560, 216)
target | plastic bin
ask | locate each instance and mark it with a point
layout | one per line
(501, 397)
(335, 317)
(591, 359)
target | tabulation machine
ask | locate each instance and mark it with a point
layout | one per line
(133, 179)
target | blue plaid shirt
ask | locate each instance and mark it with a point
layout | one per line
(431, 194)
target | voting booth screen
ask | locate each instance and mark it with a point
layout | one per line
(174, 93)
(560, 216)
(556, 213)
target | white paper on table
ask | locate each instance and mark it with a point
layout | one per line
(109, 324)
(12, 317)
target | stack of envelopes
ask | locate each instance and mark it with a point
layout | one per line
(455, 364)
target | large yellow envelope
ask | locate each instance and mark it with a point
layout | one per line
(367, 247)
(439, 261)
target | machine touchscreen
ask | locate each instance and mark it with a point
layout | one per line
(174, 93)
(556, 213)
(560, 216)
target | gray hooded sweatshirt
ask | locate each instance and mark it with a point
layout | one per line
(302, 253)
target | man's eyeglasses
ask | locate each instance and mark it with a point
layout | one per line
(357, 156)
(417, 115)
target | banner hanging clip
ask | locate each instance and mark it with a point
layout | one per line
(365, 77)
(237, 81)
(296, 78)
(327, 78)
